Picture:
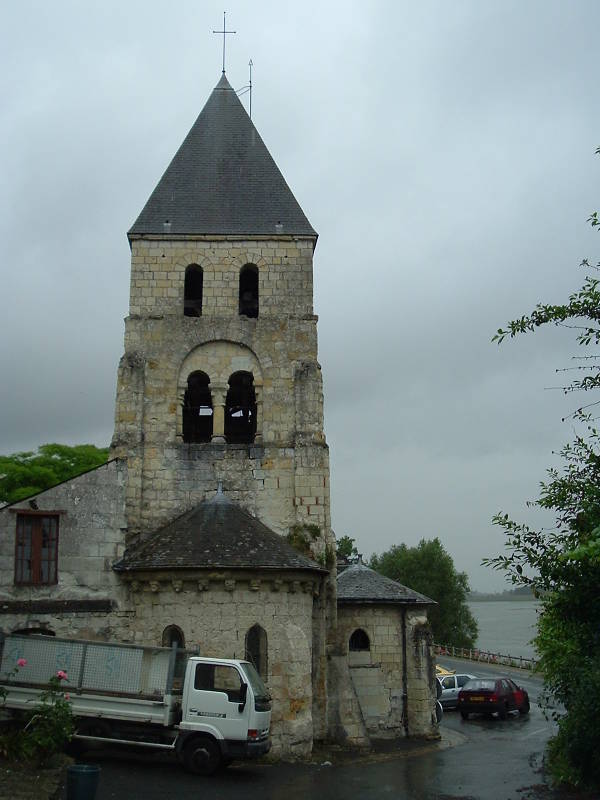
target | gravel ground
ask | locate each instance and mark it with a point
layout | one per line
(25, 782)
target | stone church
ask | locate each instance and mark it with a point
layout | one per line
(210, 525)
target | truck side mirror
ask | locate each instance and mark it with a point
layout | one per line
(243, 695)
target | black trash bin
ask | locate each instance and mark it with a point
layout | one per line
(82, 781)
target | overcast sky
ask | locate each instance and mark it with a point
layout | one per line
(444, 151)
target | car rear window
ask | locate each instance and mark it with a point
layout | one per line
(478, 685)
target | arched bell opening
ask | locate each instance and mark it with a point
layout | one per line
(197, 409)
(240, 409)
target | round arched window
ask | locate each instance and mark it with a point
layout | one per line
(359, 641)
(172, 634)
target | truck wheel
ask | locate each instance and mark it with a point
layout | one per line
(202, 756)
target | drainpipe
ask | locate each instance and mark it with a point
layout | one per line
(404, 676)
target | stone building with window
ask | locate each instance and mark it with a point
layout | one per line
(210, 525)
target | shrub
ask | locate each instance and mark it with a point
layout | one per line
(48, 728)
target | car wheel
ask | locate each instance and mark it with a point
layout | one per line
(202, 756)
(524, 708)
(503, 713)
(464, 714)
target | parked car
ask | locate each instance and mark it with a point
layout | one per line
(451, 686)
(491, 695)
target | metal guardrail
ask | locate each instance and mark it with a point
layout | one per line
(474, 654)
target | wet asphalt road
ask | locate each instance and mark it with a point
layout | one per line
(479, 759)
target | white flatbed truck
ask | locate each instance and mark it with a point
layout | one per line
(208, 711)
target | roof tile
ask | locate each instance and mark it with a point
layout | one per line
(222, 181)
(215, 534)
(360, 584)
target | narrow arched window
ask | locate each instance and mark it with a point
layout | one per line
(173, 635)
(240, 409)
(249, 291)
(192, 292)
(197, 409)
(256, 650)
(359, 641)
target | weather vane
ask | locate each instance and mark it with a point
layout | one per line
(247, 87)
(224, 32)
(250, 86)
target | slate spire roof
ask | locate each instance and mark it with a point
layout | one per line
(360, 584)
(215, 534)
(222, 180)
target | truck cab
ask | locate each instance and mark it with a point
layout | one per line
(225, 714)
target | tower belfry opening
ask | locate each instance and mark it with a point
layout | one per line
(249, 291)
(240, 409)
(192, 291)
(197, 409)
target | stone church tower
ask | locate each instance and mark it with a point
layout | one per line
(220, 380)
(219, 389)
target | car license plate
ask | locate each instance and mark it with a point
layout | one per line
(477, 699)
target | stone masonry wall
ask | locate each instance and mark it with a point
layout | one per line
(377, 673)
(421, 676)
(215, 610)
(162, 347)
(91, 536)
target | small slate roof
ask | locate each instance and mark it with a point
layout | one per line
(222, 180)
(215, 534)
(360, 584)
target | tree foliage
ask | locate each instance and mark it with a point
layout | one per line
(563, 563)
(429, 569)
(346, 547)
(25, 474)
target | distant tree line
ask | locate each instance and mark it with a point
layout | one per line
(520, 593)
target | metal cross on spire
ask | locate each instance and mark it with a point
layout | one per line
(224, 32)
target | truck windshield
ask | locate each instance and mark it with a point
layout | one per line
(259, 689)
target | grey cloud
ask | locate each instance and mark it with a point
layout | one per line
(444, 152)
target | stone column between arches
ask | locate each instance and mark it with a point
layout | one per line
(219, 396)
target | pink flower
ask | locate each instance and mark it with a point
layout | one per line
(21, 662)
(61, 675)
(67, 696)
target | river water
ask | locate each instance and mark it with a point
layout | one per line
(506, 626)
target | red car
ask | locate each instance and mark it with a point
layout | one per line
(490, 695)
